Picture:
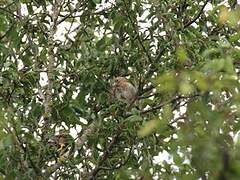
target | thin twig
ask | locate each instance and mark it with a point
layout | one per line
(177, 119)
(148, 96)
(119, 164)
(160, 105)
(81, 15)
(9, 12)
(136, 31)
(167, 102)
(6, 33)
(197, 16)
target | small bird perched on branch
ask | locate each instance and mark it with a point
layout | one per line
(123, 90)
(62, 144)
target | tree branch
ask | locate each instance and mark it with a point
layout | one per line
(83, 138)
(197, 16)
(177, 119)
(148, 96)
(76, 10)
(167, 102)
(50, 66)
(105, 155)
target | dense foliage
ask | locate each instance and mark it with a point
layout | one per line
(58, 119)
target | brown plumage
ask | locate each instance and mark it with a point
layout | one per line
(123, 90)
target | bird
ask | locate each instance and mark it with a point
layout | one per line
(123, 90)
(62, 145)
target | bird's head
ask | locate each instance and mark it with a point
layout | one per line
(119, 80)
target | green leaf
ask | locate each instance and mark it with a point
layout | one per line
(92, 4)
(7, 141)
(185, 86)
(154, 125)
(215, 65)
(235, 37)
(118, 22)
(68, 115)
(148, 128)
(211, 52)
(133, 118)
(36, 110)
(228, 66)
(102, 43)
(30, 8)
(181, 54)
(3, 25)
(200, 80)
(166, 83)
(80, 99)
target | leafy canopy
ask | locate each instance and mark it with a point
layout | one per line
(58, 120)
